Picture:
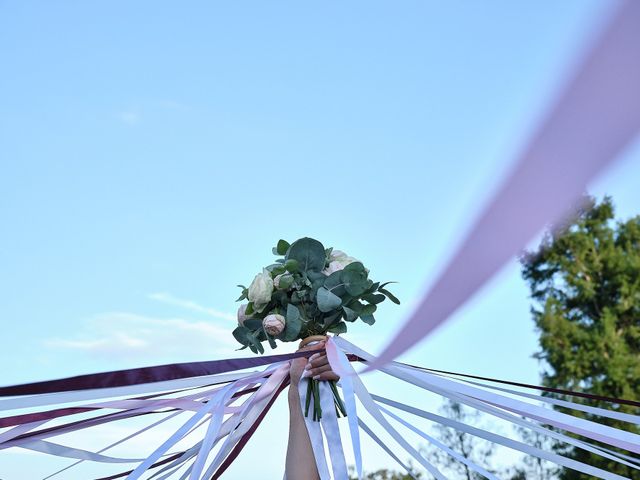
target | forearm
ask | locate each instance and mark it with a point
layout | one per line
(301, 464)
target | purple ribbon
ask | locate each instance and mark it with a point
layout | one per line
(595, 118)
(136, 376)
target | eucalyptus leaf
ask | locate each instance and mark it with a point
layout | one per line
(326, 300)
(309, 254)
(293, 323)
(374, 298)
(241, 334)
(272, 342)
(335, 284)
(291, 265)
(252, 324)
(368, 319)
(355, 281)
(338, 328)
(368, 309)
(350, 315)
(282, 247)
(389, 295)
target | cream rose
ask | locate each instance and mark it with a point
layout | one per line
(337, 261)
(241, 314)
(273, 324)
(260, 290)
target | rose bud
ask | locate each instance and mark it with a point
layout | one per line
(273, 324)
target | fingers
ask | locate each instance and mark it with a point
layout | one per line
(316, 346)
(319, 368)
(327, 376)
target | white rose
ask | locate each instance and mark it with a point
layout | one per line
(337, 261)
(260, 290)
(241, 314)
(273, 324)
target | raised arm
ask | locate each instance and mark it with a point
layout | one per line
(301, 464)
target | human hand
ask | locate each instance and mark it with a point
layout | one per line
(317, 366)
(298, 364)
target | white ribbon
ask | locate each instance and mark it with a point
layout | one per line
(385, 448)
(340, 363)
(442, 446)
(612, 436)
(504, 441)
(368, 403)
(315, 434)
(331, 430)
(82, 395)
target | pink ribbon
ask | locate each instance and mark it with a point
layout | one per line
(597, 115)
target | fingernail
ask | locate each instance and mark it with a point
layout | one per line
(307, 366)
(316, 377)
(305, 374)
(314, 356)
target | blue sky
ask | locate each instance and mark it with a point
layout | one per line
(152, 153)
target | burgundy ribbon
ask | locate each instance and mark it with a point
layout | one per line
(137, 376)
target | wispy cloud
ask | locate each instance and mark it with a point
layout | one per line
(132, 336)
(168, 104)
(190, 305)
(130, 117)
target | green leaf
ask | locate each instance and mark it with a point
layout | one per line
(253, 339)
(368, 319)
(241, 334)
(356, 267)
(308, 252)
(368, 309)
(285, 282)
(350, 314)
(385, 284)
(389, 295)
(331, 319)
(373, 298)
(276, 269)
(245, 293)
(272, 342)
(291, 265)
(282, 247)
(335, 284)
(326, 300)
(253, 324)
(355, 280)
(249, 310)
(338, 328)
(293, 323)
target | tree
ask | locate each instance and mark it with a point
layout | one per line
(470, 447)
(534, 467)
(585, 283)
(384, 474)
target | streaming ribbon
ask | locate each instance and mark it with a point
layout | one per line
(595, 117)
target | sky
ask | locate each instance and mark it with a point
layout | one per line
(152, 153)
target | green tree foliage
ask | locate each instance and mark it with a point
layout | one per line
(477, 450)
(384, 474)
(585, 284)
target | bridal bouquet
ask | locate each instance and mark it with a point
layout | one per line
(308, 290)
